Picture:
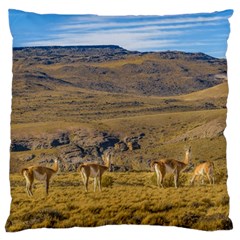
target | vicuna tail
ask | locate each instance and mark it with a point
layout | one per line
(24, 170)
(155, 162)
(80, 167)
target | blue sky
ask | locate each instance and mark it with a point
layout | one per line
(203, 32)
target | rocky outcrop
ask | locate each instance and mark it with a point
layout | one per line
(29, 157)
(20, 145)
(76, 147)
(72, 148)
(108, 142)
(133, 145)
(72, 153)
(121, 146)
(133, 142)
(34, 143)
(117, 168)
(210, 129)
(61, 139)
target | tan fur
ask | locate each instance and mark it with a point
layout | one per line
(39, 173)
(94, 171)
(205, 169)
(172, 166)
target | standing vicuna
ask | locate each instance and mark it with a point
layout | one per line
(94, 171)
(39, 173)
(173, 166)
(202, 170)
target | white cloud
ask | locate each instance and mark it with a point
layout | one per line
(101, 22)
(124, 39)
(156, 33)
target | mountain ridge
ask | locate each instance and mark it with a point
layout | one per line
(203, 55)
(112, 69)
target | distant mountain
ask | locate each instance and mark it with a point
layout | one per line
(69, 54)
(114, 69)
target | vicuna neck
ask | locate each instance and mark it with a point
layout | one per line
(55, 166)
(107, 163)
(187, 158)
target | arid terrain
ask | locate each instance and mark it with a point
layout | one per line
(75, 103)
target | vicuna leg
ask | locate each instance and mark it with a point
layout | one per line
(29, 183)
(193, 179)
(211, 175)
(29, 188)
(202, 178)
(176, 176)
(85, 181)
(210, 178)
(213, 180)
(160, 176)
(100, 183)
(95, 183)
(47, 185)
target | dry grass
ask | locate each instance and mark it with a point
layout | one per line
(127, 198)
(218, 91)
(81, 105)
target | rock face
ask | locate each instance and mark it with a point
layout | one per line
(72, 148)
(20, 145)
(71, 153)
(75, 147)
(34, 143)
(133, 145)
(29, 157)
(62, 139)
(211, 129)
(121, 146)
(132, 142)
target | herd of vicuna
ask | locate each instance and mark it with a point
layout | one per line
(95, 171)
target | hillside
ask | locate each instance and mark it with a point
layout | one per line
(115, 70)
(78, 101)
(215, 92)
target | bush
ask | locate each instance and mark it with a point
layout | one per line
(107, 181)
(213, 222)
(224, 201)
(219, 176)
(188, 220)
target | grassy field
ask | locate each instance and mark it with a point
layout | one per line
(127, 198)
